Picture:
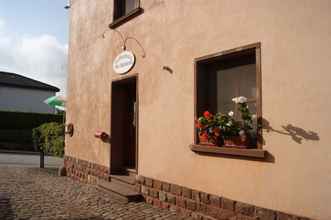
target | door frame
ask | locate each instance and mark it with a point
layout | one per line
(123, 80)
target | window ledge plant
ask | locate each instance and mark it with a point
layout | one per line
(223, 130)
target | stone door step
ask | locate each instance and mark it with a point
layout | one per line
(124, 179)
(123, 191)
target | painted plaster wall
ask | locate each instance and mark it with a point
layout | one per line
(295, 38)
(24, 100)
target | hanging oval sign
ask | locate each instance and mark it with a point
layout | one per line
(124, 62)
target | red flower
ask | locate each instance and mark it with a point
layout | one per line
(198, 124)
(207, 114)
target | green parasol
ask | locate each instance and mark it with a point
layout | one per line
(57, 102)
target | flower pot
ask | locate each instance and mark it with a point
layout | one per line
(203, 140)
(236, 142)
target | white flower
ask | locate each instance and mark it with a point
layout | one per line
(231, 113)
(229, 123)
(235, 100)
(254, 116)
(242, 99)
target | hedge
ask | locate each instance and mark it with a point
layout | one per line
(23, 120)
(16, 128)
(16, 136)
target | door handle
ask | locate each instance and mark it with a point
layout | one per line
(134, 121)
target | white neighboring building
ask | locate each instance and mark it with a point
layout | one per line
(22, 94)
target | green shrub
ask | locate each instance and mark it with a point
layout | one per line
(50, 138)
(16, 127)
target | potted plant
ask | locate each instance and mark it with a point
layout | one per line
(208, 131)
(223, 129)
(240, 135)
(229, 127)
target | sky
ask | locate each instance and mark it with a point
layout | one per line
(34, 40)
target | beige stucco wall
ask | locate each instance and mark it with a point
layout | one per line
(295, 39)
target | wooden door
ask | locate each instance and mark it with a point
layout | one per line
(124, 126)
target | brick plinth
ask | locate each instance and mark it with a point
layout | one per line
(85, 171)
(200, 205)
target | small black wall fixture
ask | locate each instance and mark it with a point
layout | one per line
(68, 5)
(168, 69)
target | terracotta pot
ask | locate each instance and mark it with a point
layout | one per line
(236, 141)
(203, 140)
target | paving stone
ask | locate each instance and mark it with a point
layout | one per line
(33, 193)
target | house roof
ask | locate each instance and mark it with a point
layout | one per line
(15, 80)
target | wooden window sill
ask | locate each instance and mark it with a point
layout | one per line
(252, 153)
(125, 18)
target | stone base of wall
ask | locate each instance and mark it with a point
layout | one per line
(199, 205)
(186, 202)
(85, 171)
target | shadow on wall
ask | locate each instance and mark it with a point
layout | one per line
(297, 134)
(6, 211)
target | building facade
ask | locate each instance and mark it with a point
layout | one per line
(22, 94)
(192, 56)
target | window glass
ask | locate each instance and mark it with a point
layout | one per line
(233, 82)
(130, 5)
(221, 79)
(124, 7)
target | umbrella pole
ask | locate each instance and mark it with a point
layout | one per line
(42, 158)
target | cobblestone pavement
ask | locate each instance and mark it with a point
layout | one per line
(34, 193)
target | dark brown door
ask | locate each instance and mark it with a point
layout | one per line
(123, 126)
